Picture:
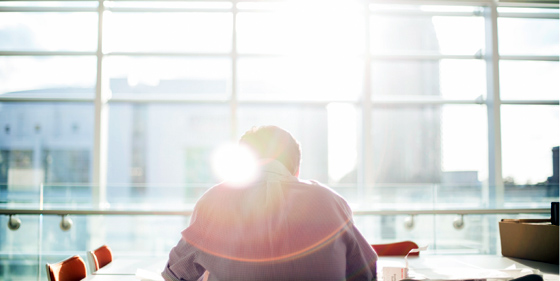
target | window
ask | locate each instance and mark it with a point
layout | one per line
(397, 106)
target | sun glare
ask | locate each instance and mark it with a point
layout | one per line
(235, 164)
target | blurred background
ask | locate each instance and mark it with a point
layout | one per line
(408, 109)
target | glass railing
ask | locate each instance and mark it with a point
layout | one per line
(147, 220)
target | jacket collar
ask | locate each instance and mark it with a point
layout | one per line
(274, 170)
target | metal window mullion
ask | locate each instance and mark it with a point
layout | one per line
(495, 180)
(434, 2)
(531, 102)
(530, 15)
(423, 13)
(527, 4)
(233, 98)
(423, 57)
(47, 9)
(166, 54)
(99, 180)
(529, 58)
(166, 10)
(366, 179)
(46, 53)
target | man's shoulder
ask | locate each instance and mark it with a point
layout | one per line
(317, 187)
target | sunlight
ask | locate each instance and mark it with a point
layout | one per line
(235, 164)
(342, 139)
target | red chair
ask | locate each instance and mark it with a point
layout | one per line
(71, 269)
(395, 249)
(99, 258)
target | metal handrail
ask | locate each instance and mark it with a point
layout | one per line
(63, 212)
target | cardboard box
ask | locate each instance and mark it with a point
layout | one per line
(529, 239)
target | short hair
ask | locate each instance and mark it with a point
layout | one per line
(275, 143)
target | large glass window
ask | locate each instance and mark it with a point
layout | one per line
(48, 31)
(528, 36)
(47, 76)
(390, 102)
(168, 32)
(165, 77)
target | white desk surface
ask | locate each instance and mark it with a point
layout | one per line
(129, 265)
(94, 277)
(124, 269)
(476, 263)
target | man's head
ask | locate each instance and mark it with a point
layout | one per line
(275, 143)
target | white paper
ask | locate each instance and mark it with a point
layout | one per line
(146, 275)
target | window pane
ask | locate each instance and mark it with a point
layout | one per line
(528, 135)
(260, 33)
(48, 31)
(48, 76)
(297, 78)
(426, 144)
(201, 78)
(165, 144)
(528, 36)
(45, 143)
(450, 79)
(528, 80)
(168, 32)
(303, 28)
(418, 33)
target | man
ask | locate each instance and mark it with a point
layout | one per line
(276, 227)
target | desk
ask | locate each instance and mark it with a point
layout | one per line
(94, 277)
(128, 266)
(431, 265)
(124, 269)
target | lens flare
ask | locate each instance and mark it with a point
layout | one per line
(235, 164)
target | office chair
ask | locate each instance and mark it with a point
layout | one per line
(99, 257)
(395, 249)
(70, 269)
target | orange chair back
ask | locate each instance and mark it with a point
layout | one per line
(71, 269)
(395, 249)
(102, 256)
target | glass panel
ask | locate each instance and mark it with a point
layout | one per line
(19, 250)
(303, 27)
(528, 80)
(28, 31)
(146, 150)
(528, 36)
(48, 76)
(44, 143)
(425, 144)
(261, 33)
(168, 32)
(422, 33)
(389, 229)
(297, 78)
(202, 78)
(529, 134)
(449, 79)
(40, 240)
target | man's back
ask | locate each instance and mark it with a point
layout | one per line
(277, 228)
